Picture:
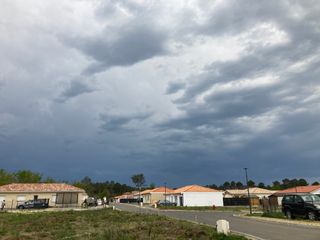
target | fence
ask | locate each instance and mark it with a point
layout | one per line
(243, 201)
(270, 205)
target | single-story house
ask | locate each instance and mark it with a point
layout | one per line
(150, 196)
(195, 195)
(277, 197)
(59, 194)
(254, 192)
(126, 197)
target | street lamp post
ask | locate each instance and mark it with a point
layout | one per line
(165, 193)
(246, 170)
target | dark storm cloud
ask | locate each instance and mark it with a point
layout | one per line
(132, 40)
(174, 87)
(75, 89)
(135, 44)
(118, 122)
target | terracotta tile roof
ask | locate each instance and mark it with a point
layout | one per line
(39, 187)
(162, 190)
(194, 188)
(127, 195)
(157, 190)
(254, 190)
(300, 189)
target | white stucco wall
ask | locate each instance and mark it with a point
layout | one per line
(195, 199)
(316, 191)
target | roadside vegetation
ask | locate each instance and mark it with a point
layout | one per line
(229, 208)
(280, 215)
(268, 215)
(101, 224)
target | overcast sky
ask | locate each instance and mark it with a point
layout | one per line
(182, 91)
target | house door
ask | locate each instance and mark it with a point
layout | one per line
(35, 197)
(181, 200)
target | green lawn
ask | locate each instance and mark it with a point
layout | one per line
(231, 208)
(101, 224)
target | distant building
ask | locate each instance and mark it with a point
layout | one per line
(127, 197)
(150, 196)
(59, 194)
(195, 195)
(254, 192)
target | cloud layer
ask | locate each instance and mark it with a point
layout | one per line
(183, 91)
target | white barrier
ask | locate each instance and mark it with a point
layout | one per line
(223, 227)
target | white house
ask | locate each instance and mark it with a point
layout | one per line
(195, 195)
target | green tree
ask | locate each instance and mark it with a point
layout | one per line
(315, 183)
(239, 185)
(276, 185)
(251, 183)
(6, 177)
(233, 185)
(226, 185)
(138, 180)
(261, 185)
(27, 176)
(302, 182)
(49, 180)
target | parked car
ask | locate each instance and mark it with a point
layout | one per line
(302, 205)
(166, 203)
(90, 202)
(39, 203)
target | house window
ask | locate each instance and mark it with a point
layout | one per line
(2, 197)
(21, 198)
(53, 198)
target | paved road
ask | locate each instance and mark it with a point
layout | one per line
(261, 229)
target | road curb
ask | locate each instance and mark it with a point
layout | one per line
(283, 221)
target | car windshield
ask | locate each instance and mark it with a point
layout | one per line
(311, 198)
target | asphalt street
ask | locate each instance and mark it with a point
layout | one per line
(260, 229)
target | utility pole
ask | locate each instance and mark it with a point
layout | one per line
(165, 193)
(246, 170)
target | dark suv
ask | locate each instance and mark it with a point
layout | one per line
(303, 205)
(39, 203)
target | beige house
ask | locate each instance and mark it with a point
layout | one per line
(59, 194)
(254, 192)
(151, 196)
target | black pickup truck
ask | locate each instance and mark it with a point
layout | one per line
(39, 203)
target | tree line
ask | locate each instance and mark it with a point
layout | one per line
(276, 185)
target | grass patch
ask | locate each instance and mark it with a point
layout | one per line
(101, 224)
(231, 208)
(273, 215)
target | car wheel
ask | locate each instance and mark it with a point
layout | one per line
(288, 214)
(312, 215)
(21, 207)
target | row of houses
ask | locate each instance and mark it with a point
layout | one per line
(195, 195)
(191, 195)
(61, 194)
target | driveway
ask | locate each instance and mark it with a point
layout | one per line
(260, 229)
